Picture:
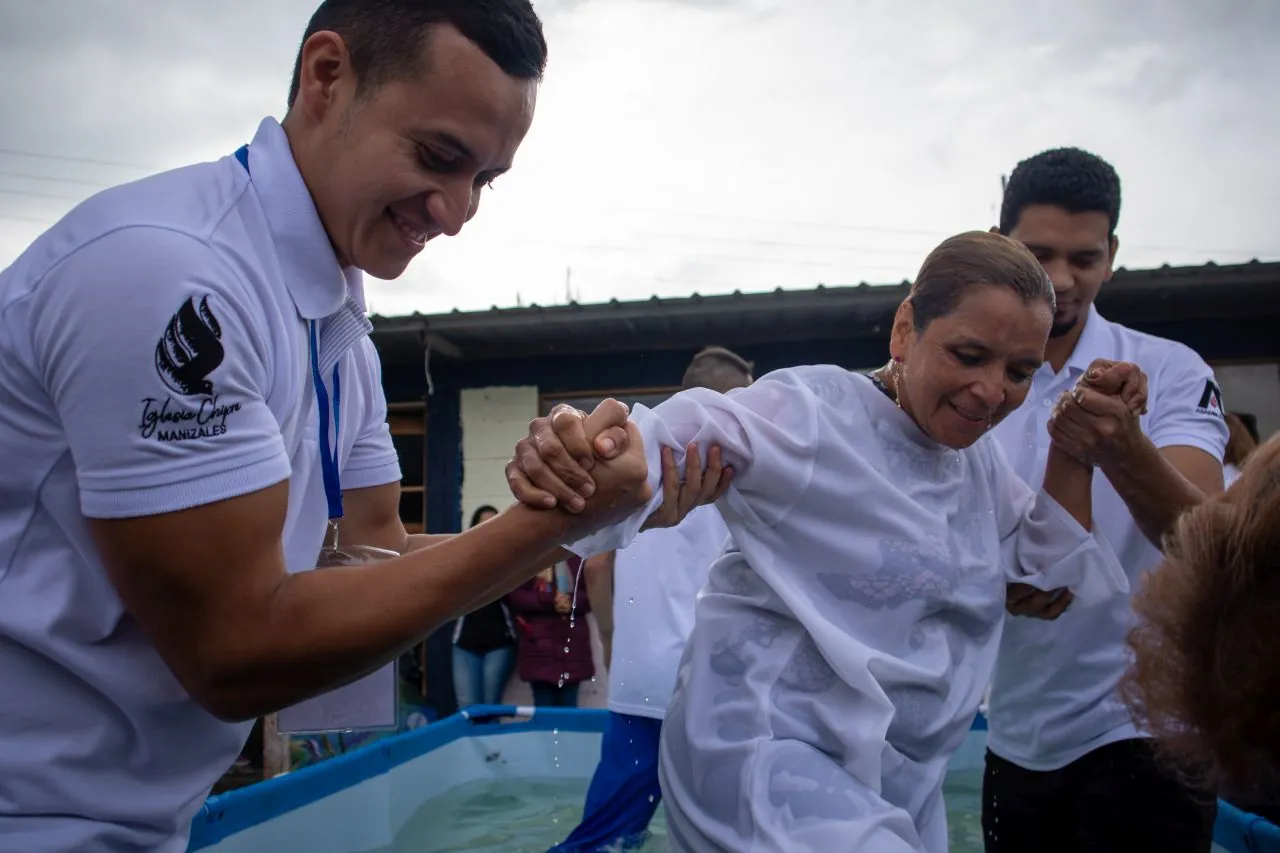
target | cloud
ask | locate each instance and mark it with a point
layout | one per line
(708, 145)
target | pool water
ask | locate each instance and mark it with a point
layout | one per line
(530, 815)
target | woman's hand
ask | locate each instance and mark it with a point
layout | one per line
(558, 464)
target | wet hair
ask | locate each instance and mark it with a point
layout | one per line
(974, 259)
(387, 38)
(480, 510)
(1070, 178)
(718, 369)
(1241, 441)
(1205, 677)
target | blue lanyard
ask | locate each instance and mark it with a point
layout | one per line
(328, 452)
(328, 449)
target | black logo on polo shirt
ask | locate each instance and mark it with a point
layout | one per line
(188, 352)
(190, 349)
(1210, 400)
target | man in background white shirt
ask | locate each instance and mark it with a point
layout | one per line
(653, 585)
(1066, 768)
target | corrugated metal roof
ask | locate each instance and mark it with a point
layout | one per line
(736, 319)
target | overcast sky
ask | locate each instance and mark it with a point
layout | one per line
(708, 145)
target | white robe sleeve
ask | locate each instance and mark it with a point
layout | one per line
(768, 432)
(1042, 546)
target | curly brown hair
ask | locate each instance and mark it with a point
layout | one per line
(1205, 679)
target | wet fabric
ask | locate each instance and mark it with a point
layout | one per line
(843, 643)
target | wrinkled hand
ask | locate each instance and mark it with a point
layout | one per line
(1097, 421)
(551, 464)
(557, 464)
(1024, 600)
(1118, 378)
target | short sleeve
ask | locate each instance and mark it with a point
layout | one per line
(153, 354)
(373, 460)
(1187, 408)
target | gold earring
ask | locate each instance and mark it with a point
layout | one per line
(893, 374)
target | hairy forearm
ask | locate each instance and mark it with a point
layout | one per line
(1070, 483)
(325, 628)
(1153, 490)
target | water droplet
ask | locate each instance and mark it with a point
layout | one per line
(593, 679)
(560, 683)
(566, 650)
(651, 798)
(555, 732)
(631, 601)
(646, 700)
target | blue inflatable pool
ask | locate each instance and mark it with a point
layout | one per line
(505, 779)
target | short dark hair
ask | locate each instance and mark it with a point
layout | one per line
(1070, 178)
(973, 259)
(1250, 422)
(386, 38)
(1241, 440)
(481, 510)
(718, 369)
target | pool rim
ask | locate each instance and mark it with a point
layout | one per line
(225, 815)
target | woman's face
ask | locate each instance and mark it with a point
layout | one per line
(966, 371)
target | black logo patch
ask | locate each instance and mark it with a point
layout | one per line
(190, 349)
(188, 352)
(1210, 400)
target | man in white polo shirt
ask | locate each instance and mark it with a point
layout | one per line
(188, 394)
(653, 589)
(1066, 768)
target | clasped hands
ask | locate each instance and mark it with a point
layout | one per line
(1096, 422)
(593, 466)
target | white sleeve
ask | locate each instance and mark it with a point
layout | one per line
(1043, 546)
(373, 460)
(154, 358)
(1187, 409)
(768, 432)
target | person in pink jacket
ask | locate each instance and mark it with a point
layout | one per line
(553, 640)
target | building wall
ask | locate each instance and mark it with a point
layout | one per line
(493, 420)
(1252, 388)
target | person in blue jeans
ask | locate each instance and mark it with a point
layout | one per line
(484, 647)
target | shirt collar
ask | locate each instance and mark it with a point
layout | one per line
(315, 280)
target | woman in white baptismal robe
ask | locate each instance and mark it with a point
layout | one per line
(845, 637)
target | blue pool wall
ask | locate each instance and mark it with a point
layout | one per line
(254, 818)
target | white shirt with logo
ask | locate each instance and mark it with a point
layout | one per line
(843, 641)
(656, 583)
(1053, 696)
(154, 357)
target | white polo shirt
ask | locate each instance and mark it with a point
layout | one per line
(1053, 693)
(154, 356)
(657, 580)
